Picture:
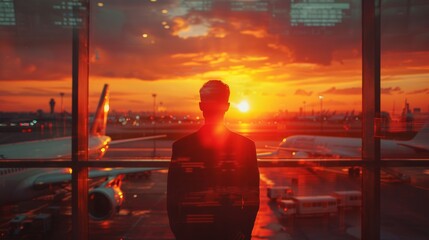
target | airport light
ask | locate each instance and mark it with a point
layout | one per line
(321, 104)
(303, 110)
(154, 105)
(62, 95)
(154, 123)
(321, 112)
(62, 114)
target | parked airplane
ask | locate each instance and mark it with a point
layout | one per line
(308, 146)
(20, 184)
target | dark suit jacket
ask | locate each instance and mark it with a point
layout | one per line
(213, 186)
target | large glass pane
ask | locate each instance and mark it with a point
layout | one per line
(404, 194)
(295, 203)
(35, 75)
(294, 68)
(308, 203)
(404, 119)
(404, 74)
(32, 206)
(141, 212)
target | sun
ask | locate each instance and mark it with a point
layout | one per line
(243, 106)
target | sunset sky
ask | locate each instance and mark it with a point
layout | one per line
(168, 48)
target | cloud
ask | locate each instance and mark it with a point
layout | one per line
(344, 91)
(303, 92)
(358, 91)
(32, 92)
(213, 40)
(419, 91)
(391, 90)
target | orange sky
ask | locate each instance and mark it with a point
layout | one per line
(171, 51)
(181, 94)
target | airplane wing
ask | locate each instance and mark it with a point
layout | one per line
(59, 147)
(417, 148)
(267, 154)
(64, 175)
(313, 152)
(119, 141)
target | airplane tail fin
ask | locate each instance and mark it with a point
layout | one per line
(422, 137)
(100, 119)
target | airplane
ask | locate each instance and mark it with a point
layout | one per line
(342, 117)
(310, 146)
(21, 184)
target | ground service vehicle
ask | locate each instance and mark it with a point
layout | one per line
(279, 192)
(308, 206)
(348, 199)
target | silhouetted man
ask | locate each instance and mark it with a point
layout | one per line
(213, 179)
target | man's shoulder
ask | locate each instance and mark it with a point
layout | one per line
(240, 138)
(188, 139)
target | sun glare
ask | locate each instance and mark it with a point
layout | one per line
(243, 106)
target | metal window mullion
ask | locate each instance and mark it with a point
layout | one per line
(80, 70)
(370, 110)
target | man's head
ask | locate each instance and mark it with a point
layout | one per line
(214, 90)
(214, 96)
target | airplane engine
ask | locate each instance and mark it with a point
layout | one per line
(103, 202)
(300, 155)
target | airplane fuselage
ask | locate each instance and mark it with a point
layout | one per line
(342, 147)
(55, 148)
(16, 184)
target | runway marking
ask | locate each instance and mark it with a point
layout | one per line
(127, 212)
(149, 186)
(266, 179)
(125, 236)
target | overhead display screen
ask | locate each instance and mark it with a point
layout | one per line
(7, 13)
(318, 13)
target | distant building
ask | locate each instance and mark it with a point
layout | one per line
(52, 105)
(407, 117)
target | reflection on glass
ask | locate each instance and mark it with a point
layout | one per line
(404, 73)
(35, 53)
(18, 128)
(35, 203)
(156, 54)
(296, 203)
(142, 214)
(265, 50)
(404, 194)
(131, 203)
